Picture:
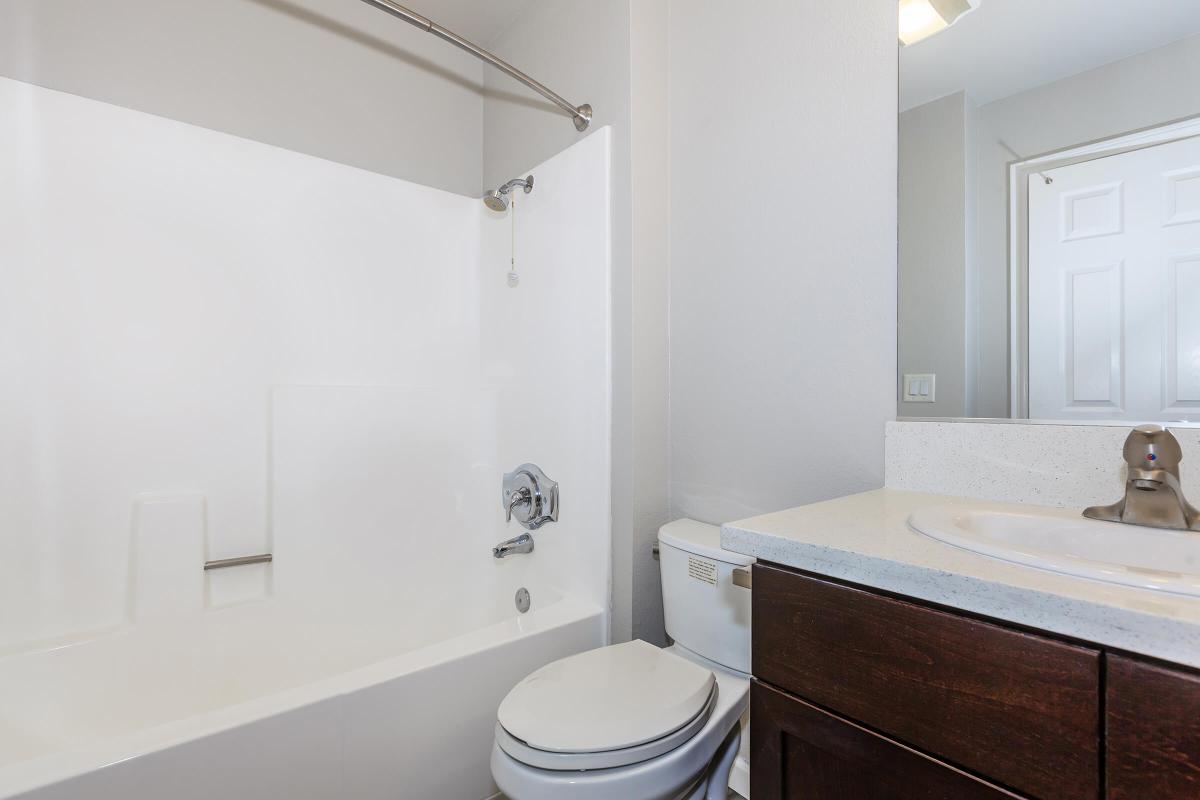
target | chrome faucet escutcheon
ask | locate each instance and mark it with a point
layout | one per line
(529, 496)
(1153, 495)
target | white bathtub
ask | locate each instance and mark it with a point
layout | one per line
(274, 700)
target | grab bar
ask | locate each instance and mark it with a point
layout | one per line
(240, 561)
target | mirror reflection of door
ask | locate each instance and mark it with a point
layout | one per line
(1077, 299)
(1114, 286)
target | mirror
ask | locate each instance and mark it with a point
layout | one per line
(1049, 256)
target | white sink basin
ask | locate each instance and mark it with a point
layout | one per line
(1148, 558)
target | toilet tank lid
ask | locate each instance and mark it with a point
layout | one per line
(701, 539)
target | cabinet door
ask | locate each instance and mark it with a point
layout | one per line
(1022, 709)
(1153, 724)
(800, 752)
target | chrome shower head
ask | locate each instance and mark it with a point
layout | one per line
(497, 199)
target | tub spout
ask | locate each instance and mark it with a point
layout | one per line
(520, 544)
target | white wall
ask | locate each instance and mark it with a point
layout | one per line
(547, 349)
(611, 54)
(649, 305)
(331, 78)
(783, 252)
(167, 287)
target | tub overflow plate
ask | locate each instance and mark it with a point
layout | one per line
(522, 599)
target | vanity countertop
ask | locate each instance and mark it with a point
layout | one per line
(865, 539)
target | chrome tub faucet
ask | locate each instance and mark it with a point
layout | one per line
(518, 544)
(532, 499)
(1153, 495)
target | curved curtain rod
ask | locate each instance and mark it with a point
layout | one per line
(581, 115)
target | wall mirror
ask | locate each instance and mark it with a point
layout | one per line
(1049, 257)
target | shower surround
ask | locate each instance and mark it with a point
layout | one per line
(213, 348)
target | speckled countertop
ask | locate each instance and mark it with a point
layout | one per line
(866, 539)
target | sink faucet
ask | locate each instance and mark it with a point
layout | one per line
(519, 544)
(1153, 496)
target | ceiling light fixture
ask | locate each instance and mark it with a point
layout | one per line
(920, 19)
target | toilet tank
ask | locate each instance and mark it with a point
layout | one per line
(704, 611)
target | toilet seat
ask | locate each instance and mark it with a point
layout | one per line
(603, 759)
(611, 707)
(670, 776)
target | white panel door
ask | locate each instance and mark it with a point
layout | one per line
(1114, 287)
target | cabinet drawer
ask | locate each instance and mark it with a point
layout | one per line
(1022, 709)
(1153, 721)
(800, 752)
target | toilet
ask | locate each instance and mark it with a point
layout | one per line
(638, 722)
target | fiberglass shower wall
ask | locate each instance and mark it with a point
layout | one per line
(180, 304)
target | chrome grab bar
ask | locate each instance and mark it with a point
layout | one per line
(240, 561)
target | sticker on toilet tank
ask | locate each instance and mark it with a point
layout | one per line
(702, 570)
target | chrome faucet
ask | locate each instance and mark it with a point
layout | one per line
(518, 544)
(532, 498)
(529, 496)
(1153, 495)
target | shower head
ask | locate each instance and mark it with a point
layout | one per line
(497, 199)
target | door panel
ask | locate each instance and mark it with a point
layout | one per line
(799, 752)
(1114, 254)
(1093, 325)
(1183, 333)
(1153, 731)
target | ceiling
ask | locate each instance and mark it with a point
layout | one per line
(1008, 46)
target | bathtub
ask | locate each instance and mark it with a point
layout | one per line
(349, 698)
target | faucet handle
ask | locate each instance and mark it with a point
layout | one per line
(530, 496)
(1153, 447)
(517, 497)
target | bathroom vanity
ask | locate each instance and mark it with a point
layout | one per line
(891, 665)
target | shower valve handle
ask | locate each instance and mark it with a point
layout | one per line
(518, 497)
(529, 496)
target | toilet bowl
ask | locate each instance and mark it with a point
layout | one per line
(634, 721)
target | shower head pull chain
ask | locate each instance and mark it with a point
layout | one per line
(513, 278)
(499, 200)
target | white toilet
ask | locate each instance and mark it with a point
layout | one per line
(633, 721)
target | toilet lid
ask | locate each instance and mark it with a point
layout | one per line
(612, 698)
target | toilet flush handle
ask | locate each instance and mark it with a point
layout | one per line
(742, 577)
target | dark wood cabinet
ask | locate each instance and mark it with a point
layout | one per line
(1152, 727)
(1019, 708)
(859, 694)
(800, 752)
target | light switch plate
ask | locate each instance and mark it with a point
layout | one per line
(920, 388)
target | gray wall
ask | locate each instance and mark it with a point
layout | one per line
(783, 252)
(934, 156)
(330, 78)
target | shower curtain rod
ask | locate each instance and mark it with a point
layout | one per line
(582, 115)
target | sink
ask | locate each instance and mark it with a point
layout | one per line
(1059, 541)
